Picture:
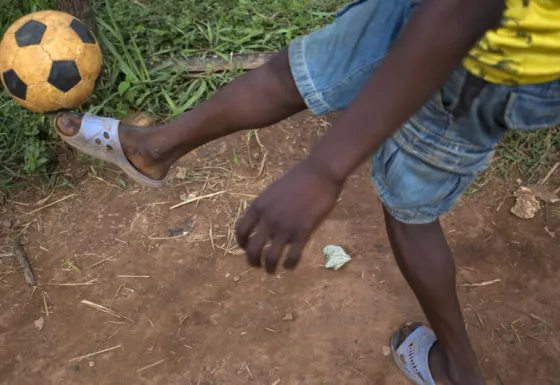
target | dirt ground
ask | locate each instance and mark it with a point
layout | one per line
(183, 307)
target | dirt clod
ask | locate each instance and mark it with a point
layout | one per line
(181, 173)
(386, 350)
(526, 204)
(39, 323)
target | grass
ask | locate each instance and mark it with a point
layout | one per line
(140, 36)
(25, 147)
(528, 155)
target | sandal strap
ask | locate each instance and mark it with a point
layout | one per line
(412, 355)
(99, 137)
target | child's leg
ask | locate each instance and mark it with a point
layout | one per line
(322, 71)
(425, 260)
(257, 99)
(420, 174)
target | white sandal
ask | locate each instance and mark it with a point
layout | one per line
(412, 355)
(99, 137)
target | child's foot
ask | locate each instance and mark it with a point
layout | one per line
(436, 358)
(139, 145)
(438, 363)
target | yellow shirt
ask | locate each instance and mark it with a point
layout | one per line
(525, 49)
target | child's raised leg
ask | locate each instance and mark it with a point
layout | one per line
(257, 99)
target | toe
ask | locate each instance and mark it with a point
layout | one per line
(405, 331)
(436, 358)
(69, 124)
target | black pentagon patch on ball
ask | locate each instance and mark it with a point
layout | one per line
(15, 85)
(31, 33)
(82, 31)
(64, 75)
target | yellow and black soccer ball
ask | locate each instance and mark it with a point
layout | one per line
(49, 61)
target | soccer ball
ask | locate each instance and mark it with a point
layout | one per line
(49, 61)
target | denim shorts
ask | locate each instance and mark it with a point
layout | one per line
(422, 171)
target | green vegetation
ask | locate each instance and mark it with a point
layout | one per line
(529, 153)
(24, 137)
(139, 37)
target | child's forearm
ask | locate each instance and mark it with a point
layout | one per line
(433, 44)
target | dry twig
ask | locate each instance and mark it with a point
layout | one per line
(94, 353)
(45, 304)
(215, 63)
(196, 199)
(88, 283)
(547, 177)
(133, 276)
(105, 309)
(486, 283)
(21, 258)
(537, 318)
(50, 204)
(101, 261)
(151, 365)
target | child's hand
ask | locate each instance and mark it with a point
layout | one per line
(285, 215)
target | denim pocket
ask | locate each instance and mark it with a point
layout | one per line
(526, 112)
(456, 97)
(444, 101)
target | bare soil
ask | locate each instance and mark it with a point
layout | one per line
(188, 310)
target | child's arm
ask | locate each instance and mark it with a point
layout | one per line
(437, 38)
(432, 45)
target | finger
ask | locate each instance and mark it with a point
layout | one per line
(245, 227)
(255, 245)
(274, 252)
(294, 255)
